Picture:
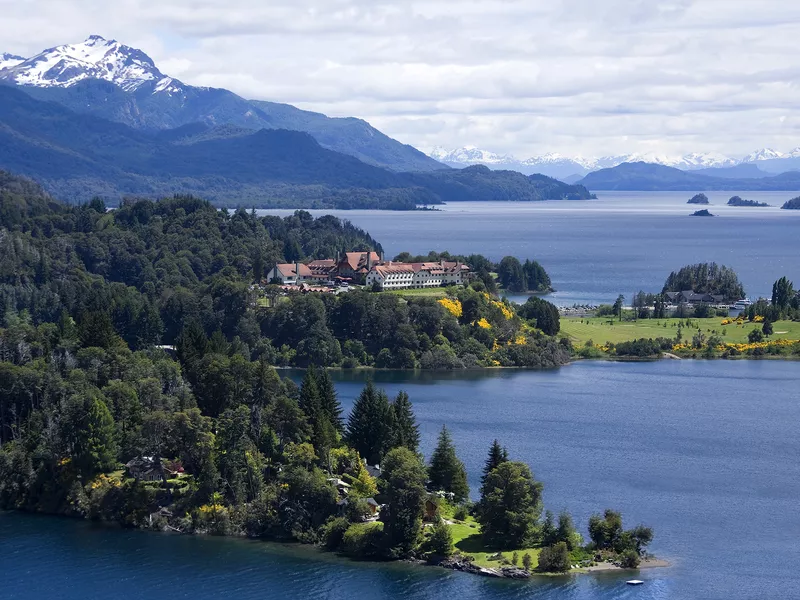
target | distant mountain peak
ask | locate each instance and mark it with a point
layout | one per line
(94, 58)
(763, 154)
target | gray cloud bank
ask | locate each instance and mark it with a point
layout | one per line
(573, 76)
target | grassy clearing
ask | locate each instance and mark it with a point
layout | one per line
(601, 330)
(468, 540)
(434, 292)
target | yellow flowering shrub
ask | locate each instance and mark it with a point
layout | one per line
(452, 305)
(483, 323)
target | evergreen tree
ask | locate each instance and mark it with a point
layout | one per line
(510, 506)
(329, 401)
(88, 428)
(497, 455)
(405, 432)
(446, 471)
(403, 480)
(323, 434)
(566, 529)
(369, 426)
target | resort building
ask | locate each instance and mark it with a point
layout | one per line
(369, 268)
(356, 265)
(290, 274)
(392, 276)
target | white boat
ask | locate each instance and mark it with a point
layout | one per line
(742, 304)
(634, 582)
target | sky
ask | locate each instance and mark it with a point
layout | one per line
(526, 77)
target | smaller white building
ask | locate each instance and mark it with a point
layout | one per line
(391, 276)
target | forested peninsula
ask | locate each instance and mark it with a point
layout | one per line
(138, 386)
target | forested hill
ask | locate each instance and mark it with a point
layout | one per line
(640, 176)
(78, 156)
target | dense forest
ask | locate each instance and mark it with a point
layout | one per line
(138, 385)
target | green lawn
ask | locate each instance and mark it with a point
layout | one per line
(434, 292)
(601, 331)
(468, 540)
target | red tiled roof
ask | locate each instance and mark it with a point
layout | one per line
(288, 270)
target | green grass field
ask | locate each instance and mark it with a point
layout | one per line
(600, 331)
(434, 292)
(468, 540)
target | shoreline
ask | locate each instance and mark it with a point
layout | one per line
(319, 553)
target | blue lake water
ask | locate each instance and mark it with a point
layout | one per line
(706, 452)
(597, 249)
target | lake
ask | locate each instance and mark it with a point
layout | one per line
(595, 250)
(705, 452)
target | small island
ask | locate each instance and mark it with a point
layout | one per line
(739, 201)
(698, 199)
(702, 213)
(793, 204)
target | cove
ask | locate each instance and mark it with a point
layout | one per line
(704, 452)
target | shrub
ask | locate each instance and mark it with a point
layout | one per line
(362, 540)
(461, 513)
(441, 540)
(332, 533)
(515, 559)
(554, 559)
(629, 559)
(527, 561)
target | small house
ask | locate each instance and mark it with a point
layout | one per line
(431, 509)
(144, 468)
(373, 506)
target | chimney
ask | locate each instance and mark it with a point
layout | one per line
(382, 258)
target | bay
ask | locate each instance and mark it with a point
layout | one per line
(594, 250)
(705, 452)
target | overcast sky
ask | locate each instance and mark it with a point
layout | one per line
(589, 77)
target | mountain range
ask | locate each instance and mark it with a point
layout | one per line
(570, 169)
(108, 79)
(642, 176)
(79, 156)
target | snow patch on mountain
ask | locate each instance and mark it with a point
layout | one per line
(9, 60)
(94, 58)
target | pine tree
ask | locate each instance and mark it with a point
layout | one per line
(446, 471)
(405, 431)
(497, 456)
(329, 401)
(369, 425)
(323, 434)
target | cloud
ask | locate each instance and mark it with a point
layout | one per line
(517, 76)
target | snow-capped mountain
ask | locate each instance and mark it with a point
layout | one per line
(94, 58)
(9, 60)
(763, 154)
(558, 165)
(470, 155)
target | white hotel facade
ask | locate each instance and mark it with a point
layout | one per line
(394, 276)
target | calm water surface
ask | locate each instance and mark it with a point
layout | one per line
(705, 452)
(597, 249)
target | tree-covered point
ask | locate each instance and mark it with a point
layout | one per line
(793, 204)
(709, 278)
(739, 201)
(518, 277)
